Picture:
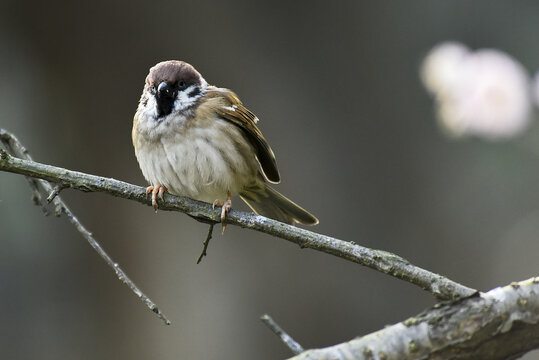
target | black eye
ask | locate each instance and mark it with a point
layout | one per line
(182, 85)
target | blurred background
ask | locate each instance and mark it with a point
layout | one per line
(337, 88)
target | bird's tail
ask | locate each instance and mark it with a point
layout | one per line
(276, 206)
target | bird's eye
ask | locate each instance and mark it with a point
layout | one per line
(182, 85)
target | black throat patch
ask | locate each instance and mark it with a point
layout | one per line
(164, 105)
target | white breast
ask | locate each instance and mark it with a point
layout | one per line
(202, 163)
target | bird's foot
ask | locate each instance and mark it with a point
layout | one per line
(225, 209)
(157, 192)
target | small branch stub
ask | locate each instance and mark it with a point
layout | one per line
(206, 243)
(294, 346)
(54, 193)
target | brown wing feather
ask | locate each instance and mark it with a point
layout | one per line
(242, 117)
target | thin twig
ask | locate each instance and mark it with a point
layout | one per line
(13, 145)
(388, 263)
(206, 243)
(285, 338)
(119, 272)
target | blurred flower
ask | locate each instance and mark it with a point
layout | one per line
(535, 89)
(484, 93)
(441, 66)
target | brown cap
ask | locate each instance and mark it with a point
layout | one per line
(173, 71)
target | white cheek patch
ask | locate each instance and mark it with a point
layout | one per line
(184, 101)
(151, 107)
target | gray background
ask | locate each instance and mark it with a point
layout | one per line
(337, 89)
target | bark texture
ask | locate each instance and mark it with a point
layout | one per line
(500, 324)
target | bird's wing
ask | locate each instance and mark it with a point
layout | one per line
(243, 118)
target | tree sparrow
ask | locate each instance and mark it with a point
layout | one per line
(197, 140)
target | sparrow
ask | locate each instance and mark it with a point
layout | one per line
(197, 140)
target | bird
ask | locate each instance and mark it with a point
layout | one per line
(197, 140)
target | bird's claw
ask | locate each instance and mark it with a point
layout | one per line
(157, 192)
(225, 209)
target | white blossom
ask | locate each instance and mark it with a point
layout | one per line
(485, 93)
(441, 66)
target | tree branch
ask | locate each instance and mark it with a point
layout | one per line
(500, 324)
(294, 346)
(388, 263)
(39, 186)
